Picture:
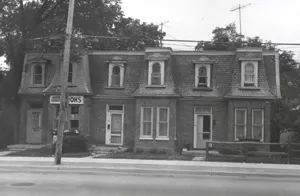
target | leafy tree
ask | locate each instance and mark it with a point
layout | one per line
(227, 39)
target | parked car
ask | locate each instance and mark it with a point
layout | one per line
(73, 141)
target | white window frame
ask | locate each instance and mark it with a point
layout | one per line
(33, 74)
(162, 71)
(111, 66)
(262, 125)
(255, 64)
(142, 136)
(235, 124)
(208, 73)
(158, 137)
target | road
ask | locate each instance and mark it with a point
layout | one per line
(112, 184)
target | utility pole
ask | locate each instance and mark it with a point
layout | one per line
(240, 15)
(62, 119)
(161, 28)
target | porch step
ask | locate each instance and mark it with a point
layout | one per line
(106, 149)
(18, 147)
(200, 158)
(199, 153)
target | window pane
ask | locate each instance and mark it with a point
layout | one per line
(38, 79)
(147, 114)
(155, 79)
(240, 117)
(115, 80)
(202, 71)
(74, 109)
(38, 69)
(249, 68)
(163, 114)
(74, 124)
(163, 129)
(206, 123)
(206, 136)
(115, 107)
(257, 117)
(70, 67)
(240, 131)
(116, 70)
(257, 132)
(147, 128)
(70, 77)
(156, 68)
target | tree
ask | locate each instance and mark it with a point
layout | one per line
(227, 39)
(39, 25)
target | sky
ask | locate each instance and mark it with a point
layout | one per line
(274, 20)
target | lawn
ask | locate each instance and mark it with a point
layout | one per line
(148, 156)
(45, 152)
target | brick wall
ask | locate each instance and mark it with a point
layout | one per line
(168, 145)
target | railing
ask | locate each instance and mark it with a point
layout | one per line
(258, 152)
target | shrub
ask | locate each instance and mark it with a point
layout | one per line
(153, 150)
(162, 152)
(227, 151)
(139, 150)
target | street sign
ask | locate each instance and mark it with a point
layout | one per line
(75, 100)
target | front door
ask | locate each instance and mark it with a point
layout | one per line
(114, 127)
(202, 133)
(34, 126)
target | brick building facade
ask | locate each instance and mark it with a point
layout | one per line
(157, 98)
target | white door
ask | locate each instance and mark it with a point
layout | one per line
(34, 126)
(114, 128)
(202, 132)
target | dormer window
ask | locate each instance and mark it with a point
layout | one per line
(116, 75)
(38, 75)
(249, 74)
(156, 73)
(202, 75)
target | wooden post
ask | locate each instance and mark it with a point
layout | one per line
(207, 151)
(62, 118)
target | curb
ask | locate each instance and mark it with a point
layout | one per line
(180, 172)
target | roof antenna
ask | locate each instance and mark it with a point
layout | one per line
(240, 16)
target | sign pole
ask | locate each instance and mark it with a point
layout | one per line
(62, 118)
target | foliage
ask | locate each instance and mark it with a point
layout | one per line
(39, 26)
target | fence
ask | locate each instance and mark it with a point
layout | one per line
(254, 152)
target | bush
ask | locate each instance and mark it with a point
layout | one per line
(227, 151)
(153, 150)
(139, 150)
(162, 152)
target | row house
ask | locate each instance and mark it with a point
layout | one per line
(157, 98)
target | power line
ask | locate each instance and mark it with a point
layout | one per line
(149, 39)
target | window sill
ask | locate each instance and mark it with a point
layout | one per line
(36, 86)
(202, 89)
(155, 86)
(145, 138)
(249, 88)
(162, 139)
(115, 87)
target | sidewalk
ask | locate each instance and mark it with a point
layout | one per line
(150, 167)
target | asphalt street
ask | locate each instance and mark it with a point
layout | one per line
(40, 184)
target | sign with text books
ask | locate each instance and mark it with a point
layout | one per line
(54, 99)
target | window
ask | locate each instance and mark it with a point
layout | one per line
(70, 73)
(147, 122)
(162, 127)
(240, 123)
(156, 73)
(75, 109)
(249, 74)
(202, 75)
(38, 74)
(116, 75)
(74, 124)
(258, 124)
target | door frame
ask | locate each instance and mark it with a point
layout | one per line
(108, 124)
(29, 114)
(195, 124)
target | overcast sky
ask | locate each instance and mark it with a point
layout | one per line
(275, 20)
